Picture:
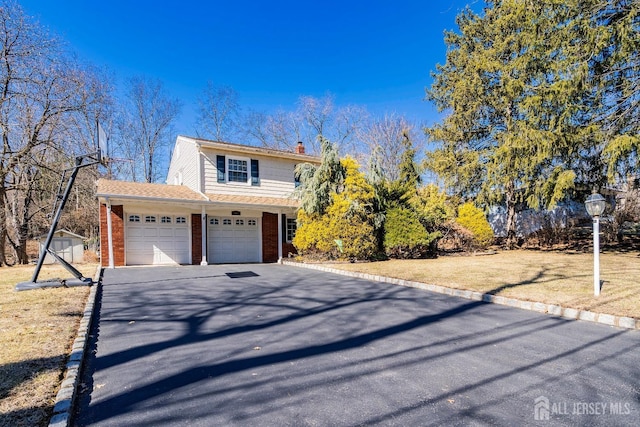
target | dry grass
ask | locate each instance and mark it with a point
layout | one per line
(551, 277)
(37, 329)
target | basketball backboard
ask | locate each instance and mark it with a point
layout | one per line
(103, 146)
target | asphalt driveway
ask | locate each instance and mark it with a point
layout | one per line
(274, 345)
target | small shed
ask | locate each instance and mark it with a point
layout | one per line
(67, 245)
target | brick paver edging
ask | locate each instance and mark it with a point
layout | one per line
(67, 394)
(552, 309)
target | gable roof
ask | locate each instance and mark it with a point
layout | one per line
(140, 190)
(250, 149)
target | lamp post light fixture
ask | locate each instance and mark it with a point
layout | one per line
(595, 205)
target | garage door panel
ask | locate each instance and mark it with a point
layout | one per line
(150, 232)
(157, 243)
(181, 232)
(138, 246)
(166, 232)
(134, 232)
(234, 240)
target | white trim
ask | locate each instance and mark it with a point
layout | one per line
(110, 234)
(203, 235)
(286, 231)
(247, 160)
(279, 237)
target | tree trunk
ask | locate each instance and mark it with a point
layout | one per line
(512, 238)
(3, 225)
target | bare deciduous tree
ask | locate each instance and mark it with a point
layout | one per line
(385, 137)
(313, 119)
(42, 88)
(218, 113)
(145, 128)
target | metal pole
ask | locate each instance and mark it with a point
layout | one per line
(110, 235)
(56, 219)
(596, 256)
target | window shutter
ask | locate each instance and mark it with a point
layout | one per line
(220, 164)
(255, 172)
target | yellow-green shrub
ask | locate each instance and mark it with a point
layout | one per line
(405, 236)
(474, 220)
(348, 218)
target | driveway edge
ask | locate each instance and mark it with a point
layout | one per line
(551, 309)
(68, 392)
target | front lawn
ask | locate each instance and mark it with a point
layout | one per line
(37, 329)
(560, 278)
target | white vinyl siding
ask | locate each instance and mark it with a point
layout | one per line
(276, 177)
(184, 165)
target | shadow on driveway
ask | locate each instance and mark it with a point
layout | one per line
(281, 345)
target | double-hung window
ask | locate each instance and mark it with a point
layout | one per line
(238, 170)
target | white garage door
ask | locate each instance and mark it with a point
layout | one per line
(157, 239)
(233, 240)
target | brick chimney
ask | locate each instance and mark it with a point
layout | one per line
(300, 148)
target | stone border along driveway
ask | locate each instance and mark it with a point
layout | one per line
(68, 392)
(552, 309)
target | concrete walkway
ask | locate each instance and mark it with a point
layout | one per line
(275, 345)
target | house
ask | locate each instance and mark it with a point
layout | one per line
(67, 245)
(222, 203)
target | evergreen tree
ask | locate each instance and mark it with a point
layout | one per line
(515, 96)
(317, 183)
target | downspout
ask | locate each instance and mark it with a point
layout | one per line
(109, 234)
(203, 237)
(203, 214)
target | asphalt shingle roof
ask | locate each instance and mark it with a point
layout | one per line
(126, 189)
(141, 191)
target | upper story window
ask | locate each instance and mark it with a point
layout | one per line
(238, 170)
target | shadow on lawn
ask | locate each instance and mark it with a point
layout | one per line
(13, 375)
(340, 309)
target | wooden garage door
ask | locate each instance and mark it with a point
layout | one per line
(157, 239)
(233, 240)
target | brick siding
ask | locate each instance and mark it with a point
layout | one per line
(269, 237)
(117, 234)
(196, 239)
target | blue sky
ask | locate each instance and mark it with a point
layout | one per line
(378, 54)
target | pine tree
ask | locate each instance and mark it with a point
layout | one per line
(514, 94)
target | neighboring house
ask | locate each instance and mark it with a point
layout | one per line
(67, 245)
(223, 203)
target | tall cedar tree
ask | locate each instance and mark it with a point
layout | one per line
(515, 96)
